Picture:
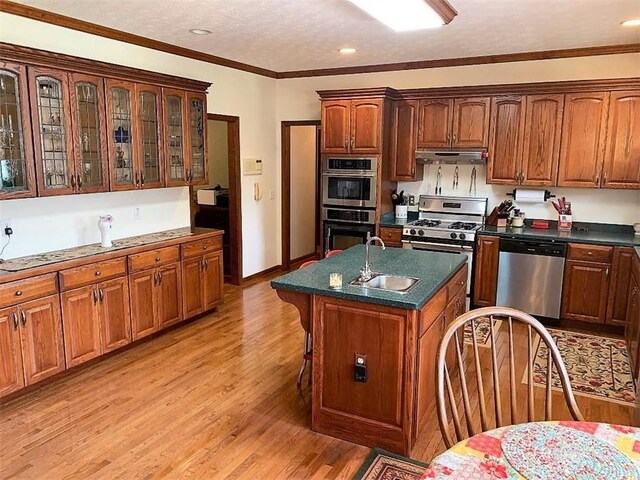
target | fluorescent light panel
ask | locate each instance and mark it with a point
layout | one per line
(401, 15)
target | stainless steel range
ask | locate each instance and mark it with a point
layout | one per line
(446, 224)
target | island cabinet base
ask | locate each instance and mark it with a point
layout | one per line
(399, 351)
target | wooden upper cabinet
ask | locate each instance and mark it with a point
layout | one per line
(18, 178)
(175, 134)
(149, 135)
(121, 112)
(583, 139)
(197, 171)
(506, 133)
(366, 126)
(336, 126)
(89, 133)
(51, 117)
(622, 156)
(41, 338)
(11, 371)
(471, 122)
(541, 140)
(403, 142)
(434, 123)
(485, 283)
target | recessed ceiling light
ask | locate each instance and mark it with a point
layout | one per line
(402, 15)
(347, 51)
(632, 23)
(199, 31)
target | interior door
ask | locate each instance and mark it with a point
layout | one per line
(169, 294)
(366, 126)
(41, 337)
(336, 128)
(121, 115)
(89, 133)
(471, 122)
(434, 119)
(622, 156)
(505, 144)
(51, 116)
(115, 315)
(81, 325)
(16, 154)
(149, 135)
(11, 371)
(144, 320)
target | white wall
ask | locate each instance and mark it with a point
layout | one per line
(249, 96)
(297, 100)
(303, 186)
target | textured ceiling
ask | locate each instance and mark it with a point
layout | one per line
(284, 35)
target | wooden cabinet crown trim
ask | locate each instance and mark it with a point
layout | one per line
(44, 58)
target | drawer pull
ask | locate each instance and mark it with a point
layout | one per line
(157, 259)
(19, 293)
(589, 252)
(98, 272)
(204, 247)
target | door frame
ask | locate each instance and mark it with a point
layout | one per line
(235, 194)
(286, 189)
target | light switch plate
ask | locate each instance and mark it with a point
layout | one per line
(137, 213)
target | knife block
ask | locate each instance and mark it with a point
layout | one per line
(497, 219)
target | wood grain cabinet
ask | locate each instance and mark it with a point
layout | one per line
(149, 137)
(435, 117)
(485, 276)
(402, 160)
(622, 156)
(31, 341)
(505, 145)
(16, 151)
(391, 236)
(619, 287)
(202, 277)
(632, 330)
(352, 126)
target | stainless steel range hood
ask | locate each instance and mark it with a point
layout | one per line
(468, 157)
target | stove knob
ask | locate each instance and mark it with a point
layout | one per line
(412, 232)
(462, 236)
(454, 235)
(420, 232)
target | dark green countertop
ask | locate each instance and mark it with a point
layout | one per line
(390, 220)
(433, 269)
(613, 236)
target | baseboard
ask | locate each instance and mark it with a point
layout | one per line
(263, 275)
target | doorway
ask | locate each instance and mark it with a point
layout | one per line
(301, 187)
(220, 205)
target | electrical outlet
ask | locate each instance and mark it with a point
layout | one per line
(272, 194)
(4, 223)
(137, 213)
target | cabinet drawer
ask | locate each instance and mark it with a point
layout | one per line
(88, 274)
(193, 249)
(392, 236)
(153, 258)
(431, 311)
(457, 283)
(590, 253)
(28, 289)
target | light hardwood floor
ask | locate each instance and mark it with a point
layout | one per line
(215, 398)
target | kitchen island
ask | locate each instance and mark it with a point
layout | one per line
(383, 399)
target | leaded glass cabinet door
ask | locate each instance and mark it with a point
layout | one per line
(89, 132)
(197, 104)
(122, 144)
(149, 134)
(50, 108)
(175, 137)
(16, 155)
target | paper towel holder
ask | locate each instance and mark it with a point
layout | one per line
(547, 194)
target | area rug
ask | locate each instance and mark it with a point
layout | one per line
(483, 332)
(598, 367)
(382, 465)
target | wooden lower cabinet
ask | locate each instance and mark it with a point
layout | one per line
(619, 286)
(427, 352)
(585, 291)
(169, 295)
(115, 315)
(202, 283)
(391, 236)
(632, 330)
(11, 369)
(485, 283)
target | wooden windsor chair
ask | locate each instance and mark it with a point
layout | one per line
(472, 358)
(306, 353)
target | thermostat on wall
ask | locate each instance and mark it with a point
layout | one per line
(252, 166)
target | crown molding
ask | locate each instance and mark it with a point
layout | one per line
(441, 6)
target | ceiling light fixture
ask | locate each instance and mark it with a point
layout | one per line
(347, 51)
(402, 15)
(632, 23)
(199, 31)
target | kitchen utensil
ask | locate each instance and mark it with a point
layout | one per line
(439, 182)
(456, 177)
(472, 183)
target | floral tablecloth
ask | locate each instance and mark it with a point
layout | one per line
(481, 456)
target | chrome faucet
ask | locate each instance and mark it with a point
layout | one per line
(365, 273)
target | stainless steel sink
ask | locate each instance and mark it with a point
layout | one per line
(392, 283)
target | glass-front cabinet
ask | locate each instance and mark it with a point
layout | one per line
(177, 169)
(149, 132)
(120, 122)
(90, 145)
(197, 138)
(17, 173)
(50, 107)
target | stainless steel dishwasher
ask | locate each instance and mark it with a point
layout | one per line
(530, 276)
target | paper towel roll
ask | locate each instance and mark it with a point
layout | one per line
(530, 196)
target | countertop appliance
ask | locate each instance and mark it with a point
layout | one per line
(530, 276)
(349, 182)
(446, 224)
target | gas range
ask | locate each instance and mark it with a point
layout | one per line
(449, 220)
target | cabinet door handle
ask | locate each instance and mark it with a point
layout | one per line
(155, 278)
(159, 278)
(141, 179)
(352, 143)
(449, 138)
(101, 294)
(604, 179)
(454, 139)
(73, 182)
(346, 144)
(79, 181)
(598, 180)
(24, 318)
(206, 264)
(95, 295)
(15, 321)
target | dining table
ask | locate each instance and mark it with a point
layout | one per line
(565, 450)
